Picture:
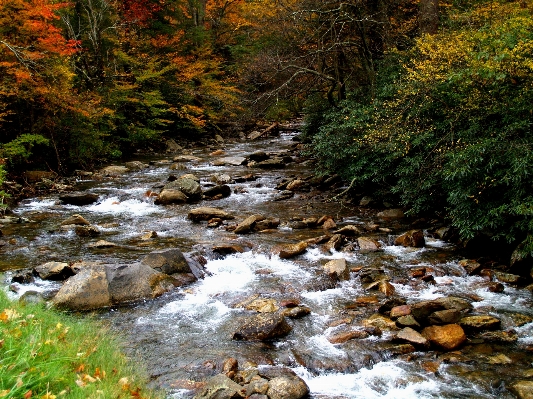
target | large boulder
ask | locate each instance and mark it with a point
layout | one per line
(413, 238)
(114, 170)
(261, 327)
(337, 269)
(273, 163)
(391, 214)
(168, 261)
(86, 290)
(171, 196)
(206, 213)
(221, 387)
(287, 387)
(136, 281)
(368, 244)
(448, 337)
(187, 185)
(79, 198)
(219, 191)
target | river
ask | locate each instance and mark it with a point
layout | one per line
(183, 336)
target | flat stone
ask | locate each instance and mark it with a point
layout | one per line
(76, 220)
(290, 250)
(348, 335)
(206, 213)
(399, 311)
(411, 336)
(367, 244)
(478, 323)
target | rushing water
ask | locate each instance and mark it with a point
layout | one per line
(184, 335)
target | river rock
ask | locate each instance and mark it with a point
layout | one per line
(168, 261)
(478, 323)
(172, 146)
(283, 195)
(273, 163)
(290, 250)
(76, 220)
(345, 336)
(186, 158)
(391, 214)
(411, 336)
(248, 224)
(296, 185)
(221, 387)
(508, 278)
(421, 310)
(349, 230)
(407, 321)
(334, 243)
(380, 321)
(367, 244)
(101, 244)
(266, 224)
(523, 389)
(135, 165)
(136, 281)
(232, 161)
(471, 266)
(188, 185)
(262, 305)
(448, 337)
(79, 199)
(500, 337)
(297, 312)
(286, 387)
(57, 271)
(171, 196)
(261, 327)
(413, 238)
(114, 170)
(337, 269)
(219, 191)
(205, 213)
(447, 316)
(87, 231)
(222, 179)
(258, 156)
(399, 311)
(452, 302)
(328, 224)
(86, 290)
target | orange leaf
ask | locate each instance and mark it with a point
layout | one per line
(28, 394)
(80, 369)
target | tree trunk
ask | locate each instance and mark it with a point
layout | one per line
(428, 16)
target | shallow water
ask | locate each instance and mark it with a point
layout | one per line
(186, 334)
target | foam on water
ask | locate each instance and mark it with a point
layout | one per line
(38, 205)
(316, 254)
(134, 207)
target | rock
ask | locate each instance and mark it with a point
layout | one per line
(87, 231)
(114, 170)
(267, 224)
(86, 290)
(508, 278)
(380, 321)
(500, 337)
(205, 213)
(399, 311)
(478, 323)
(448, 316)
(365, 201)
(222, 178)
(257, 388)
(168, 261)
(221, 191)
(413, 238)
(334, 243)
(102, 244)
(423, 309)
(76, 220)
(232, 161)
(227, 249)
(274, 163)
(34, 176)
(296, 185)
(261, 327)
(258, 156)
(79, 199)
(523, 389)
(407, 321)
(297, 312)
(452, 302)
(386, 288)
(171, 196)
(172, 146)
(391, 214)
(186, 158)
(471, 266)
(220, 387)
(348, 335)
(57, 271)
(188, 185)
(284, 195)
(287, 388)
(290, 250)
(448, 337)
(247, 224)
(263, 305)
(135, 165)
(367, 244)
(230, 367)
(328, 224)
(349, 230)
(337, 269)
(136, 281)
(412, 337)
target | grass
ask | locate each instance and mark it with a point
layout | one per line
(47, 354)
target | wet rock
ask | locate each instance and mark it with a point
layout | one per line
(186, 158)
(286, 387)
(297, 185)
(188, 185)
(328, 224)
(337, 269)
(221, 191)
(501, 337)
(205, 213)
(290, 250)
(411, 336)
(478, 323)
(448, 337)
(87, 231)
(221, 387)
(508, 278)
(521, 319)
(349, 230)
(389, 304)
(263, 305)
(171, 196)
(149, 235)
(523, 389)
(296, 312)
(79, 199)
(102, 244)
(334, 243)
(222, 178)
(136, 281)
(230, 367)
(423, 309)
(168, 261)
(367, 244)
(75, 220)
(448, 316)
(266, 224)
(472, 267)
(32, 297)
(273, 163)
(57, 271)
(391, 214)
(248, 224)
(227, 249)
(380, 321)
(172, 146)
(114, 170)
(386, 288)
(284, 195)
(407, 321)
(86, 290)
(452, 302)
(135, 165)
(343, 337)
(399, 311)
(495, 287)
(24, 276)
(401, 349)
(197, 264)
(413, 238)
(261, 327)
(232, 161)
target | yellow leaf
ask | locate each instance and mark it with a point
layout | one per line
(88, 378)
(9, 314)
(48, 395)
(5, 392)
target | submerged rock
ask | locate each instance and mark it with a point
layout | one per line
(221, 387)
(206, 213)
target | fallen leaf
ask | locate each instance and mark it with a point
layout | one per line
(9, 314)
(5, 392)
(48, 395)
(124, 382)
(88, 378)
(28, 394)
(80, 369)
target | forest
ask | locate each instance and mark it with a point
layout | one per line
(423, 103)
